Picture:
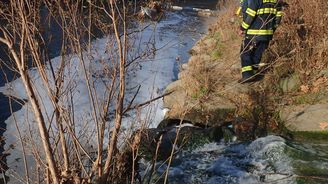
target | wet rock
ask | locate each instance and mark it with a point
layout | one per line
(290, 84)
(189, 138)
(244, 129)
(171, 123)
(312, 118)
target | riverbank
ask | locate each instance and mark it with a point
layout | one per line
(290, 95)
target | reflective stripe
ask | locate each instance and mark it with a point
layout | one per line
(259, 32)
(250, 12)
(267, 11)
(245, 25)
(279, 13)
(238, 11)
(246, 68)
(269, 1)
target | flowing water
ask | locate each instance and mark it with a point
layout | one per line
(270, 159)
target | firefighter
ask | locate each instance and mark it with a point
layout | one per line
(260, 20)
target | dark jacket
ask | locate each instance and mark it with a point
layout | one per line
(261, 18)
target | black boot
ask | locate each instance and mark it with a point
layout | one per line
(247, 76)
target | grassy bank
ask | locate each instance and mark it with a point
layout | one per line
(296, 70)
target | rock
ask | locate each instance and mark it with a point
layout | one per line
(206, 13)
(237, 88)
(290, 84)
(165, 123)
(177, 8)
(177, 96)
(184, 66)
(217, 111)
(311, 118)
(203, 46)
(189, 138)
(196, 49)
(212, 113)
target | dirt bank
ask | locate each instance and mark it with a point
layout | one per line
(295, 80)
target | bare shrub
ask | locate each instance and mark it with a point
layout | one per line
(68, 144)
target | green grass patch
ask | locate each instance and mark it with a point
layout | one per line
(202, 91)
(216, 54)
(309, 98)
(307, 136)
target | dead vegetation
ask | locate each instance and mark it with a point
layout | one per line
(299, 49)
(214, 56)
(300, 45)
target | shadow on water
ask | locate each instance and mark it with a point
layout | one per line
(5, 110)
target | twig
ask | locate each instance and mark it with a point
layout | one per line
(147, 102)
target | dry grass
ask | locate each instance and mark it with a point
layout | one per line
(299, 47)
(210, 66)
(300, 44)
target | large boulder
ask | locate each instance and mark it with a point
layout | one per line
(161, 141)
(212, 113)
(177, 95)
(306, 118)
(290, 84)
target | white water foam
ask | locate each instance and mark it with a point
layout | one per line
(262, 161)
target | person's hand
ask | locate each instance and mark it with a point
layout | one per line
(241, 32)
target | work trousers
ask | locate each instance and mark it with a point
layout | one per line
(251, 54)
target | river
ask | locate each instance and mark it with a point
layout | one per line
(270, 159)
